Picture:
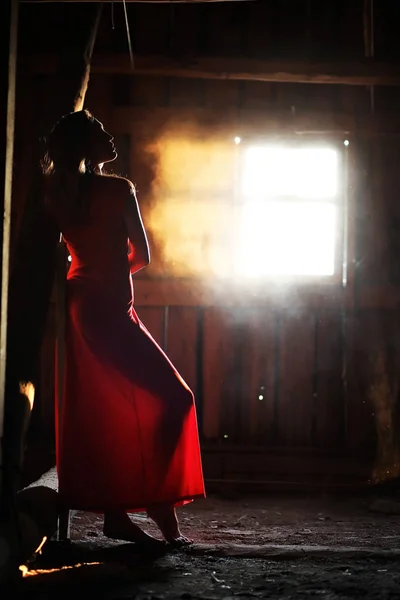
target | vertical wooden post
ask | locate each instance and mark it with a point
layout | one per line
(34, 267)
(8, 43)
(78, 104)
(35, 258)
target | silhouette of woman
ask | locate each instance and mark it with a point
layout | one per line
(128, 438)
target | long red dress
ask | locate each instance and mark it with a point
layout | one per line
(128, 435)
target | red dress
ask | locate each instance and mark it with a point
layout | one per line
(128, 437)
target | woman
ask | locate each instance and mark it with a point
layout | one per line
(128, 438)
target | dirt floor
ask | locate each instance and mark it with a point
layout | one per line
(280, 521)
(255, 547)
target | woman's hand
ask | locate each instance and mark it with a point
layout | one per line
(136, 263)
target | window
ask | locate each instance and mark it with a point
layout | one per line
(289, 211)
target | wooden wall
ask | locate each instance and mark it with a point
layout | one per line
(294, 385)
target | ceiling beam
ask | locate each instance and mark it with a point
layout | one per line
(249, 123)
(137, 1)
(363, 72)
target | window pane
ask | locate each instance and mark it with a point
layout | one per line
(286, 238)
(277, 171)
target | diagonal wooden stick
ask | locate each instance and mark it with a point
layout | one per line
(61, 272)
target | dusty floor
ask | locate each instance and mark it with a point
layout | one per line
(187, 577)
(255, 547)
(260, 521)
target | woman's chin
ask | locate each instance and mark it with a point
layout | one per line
(110, 158)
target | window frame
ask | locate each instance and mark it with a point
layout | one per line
(339, 201)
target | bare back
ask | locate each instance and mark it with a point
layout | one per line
(98, 244)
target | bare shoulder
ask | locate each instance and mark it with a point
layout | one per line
(117, 185)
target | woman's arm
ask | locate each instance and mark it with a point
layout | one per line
(139, 255)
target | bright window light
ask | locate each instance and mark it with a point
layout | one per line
(287, 239)
(289, 217)
(277, 171)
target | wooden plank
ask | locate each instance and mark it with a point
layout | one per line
(384, 296)
(132, 1)
(256, 461)
(329, 407)
(186, 92)
(204, 292)
(370, 226)
(257, 360)
(296, 366)
(9, 46)
(220, 94)
(220, 377)
(390, 175)
(260, 96)
(220, 292)
(361, 73)
(364, 338)
(273, 466)
(378, 221)
(182, 342)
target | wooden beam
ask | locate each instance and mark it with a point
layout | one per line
(87, 60)
(148, 122)
(9, 43)
(131, 1)
(308, 297)
(211, 292)
(363, 72)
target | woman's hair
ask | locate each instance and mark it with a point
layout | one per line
(66, 163)
(68, 142)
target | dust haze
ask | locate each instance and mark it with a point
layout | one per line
(193, 213)
(190, 212)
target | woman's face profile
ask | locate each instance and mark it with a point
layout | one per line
(101, 145)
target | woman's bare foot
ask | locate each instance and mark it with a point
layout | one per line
(166, 520)
(118, 526)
